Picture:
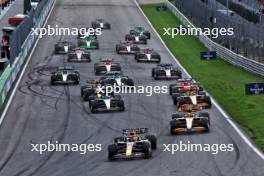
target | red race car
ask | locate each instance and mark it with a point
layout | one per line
(17, 19)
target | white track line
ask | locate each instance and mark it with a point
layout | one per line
(23, 71)
(226, 116)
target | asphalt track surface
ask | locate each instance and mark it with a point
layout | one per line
(40, 113)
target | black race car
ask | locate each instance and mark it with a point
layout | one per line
(118, 80)
(107, 66)
(101, 23)
(63, 47)
(93, 88)
(140, 31)
(79, 55)
(147, 55)
(190, 122)
(137, 39)
(65, 75)
(127, 48)
(166, 71)
(106, 103)
(135, 143)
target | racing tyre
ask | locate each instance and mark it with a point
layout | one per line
(112, 151)
(148, 35)
(146, 150)
(153, 141)
(130, 82)
(171, 86)
(153, 72)
(208, 100)
(121, 105)
(175, 100)
(108, 26)
(117, 49)
(206, 124)
(52, 83)
(93, 107)
(172, 128)
(96, 45)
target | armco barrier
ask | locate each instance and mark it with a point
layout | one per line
(10, 74)
(231, 57)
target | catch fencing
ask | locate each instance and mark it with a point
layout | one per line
(11, 73)
(226, 54)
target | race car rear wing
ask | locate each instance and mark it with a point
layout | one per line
(106, 60)
(137, 130)
(66, 68)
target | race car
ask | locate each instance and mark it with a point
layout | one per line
(127, 48)
(65, 75)
(190, 122)
(17, 19)
(166, 71)
(88, 42)
(79, 55)
(184, 86)
(196, 102)
(101, 23)
(63, 47)
(136, 39)
(106, 103)
(93, 88)
(118, 80)
(147, 55)
(107, 66)
(140, 31)
(135, 143)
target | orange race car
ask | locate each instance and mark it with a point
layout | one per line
(193, 101)
(190, 122)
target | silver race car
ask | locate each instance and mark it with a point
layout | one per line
(65, 75)
(106, 103)
(117, 79)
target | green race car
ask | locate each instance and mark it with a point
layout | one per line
(88, 42)
(140, 31)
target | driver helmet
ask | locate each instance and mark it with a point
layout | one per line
(134, 136)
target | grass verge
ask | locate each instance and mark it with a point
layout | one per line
(222, 80)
